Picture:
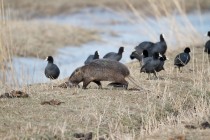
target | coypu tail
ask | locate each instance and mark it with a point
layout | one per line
(133, 81)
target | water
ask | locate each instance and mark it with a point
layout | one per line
(116, 30)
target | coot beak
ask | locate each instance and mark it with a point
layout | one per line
(46, 59)
(206, 34)
(160, 55)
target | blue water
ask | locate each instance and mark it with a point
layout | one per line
(128, 31)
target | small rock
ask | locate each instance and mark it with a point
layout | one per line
(190, 127)
(51, 102)
(14, 94)
(63, 85)
(181, 137)
(88, 136)
(78, 135)
(205, 125)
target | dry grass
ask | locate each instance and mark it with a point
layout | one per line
(32, 8)
(40, 39)
(161, 112)
(37, 38)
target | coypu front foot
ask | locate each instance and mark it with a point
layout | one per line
(85, 83)
(99, 84)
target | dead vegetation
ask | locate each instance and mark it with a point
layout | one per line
(51, 102)
(14, 94)
(162, 112)
(41, 39)
(39, 8)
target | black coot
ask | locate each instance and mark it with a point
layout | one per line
(92, 57)
(146, 45)
(151, 47)
(114, 56)
(162, 62)
(151, 65)
(207, 45)
(146, 57)
(135, 55)
(183, 58)
(160, 46)
(51, 71)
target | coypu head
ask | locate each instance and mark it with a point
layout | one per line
(76, 77)
(121, 50)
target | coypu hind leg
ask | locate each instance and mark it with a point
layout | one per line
(98, 83)
(86, 82)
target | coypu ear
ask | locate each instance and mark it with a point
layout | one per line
(74, 72)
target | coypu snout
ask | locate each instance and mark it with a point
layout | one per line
(71, 84)
(76, 77)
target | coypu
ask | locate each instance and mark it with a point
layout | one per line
(207, 45)
(183, 58)
(115, 56)
(100, 70)
(51, 71)
(92, 57)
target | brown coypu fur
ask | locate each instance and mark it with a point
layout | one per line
(100, 70)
